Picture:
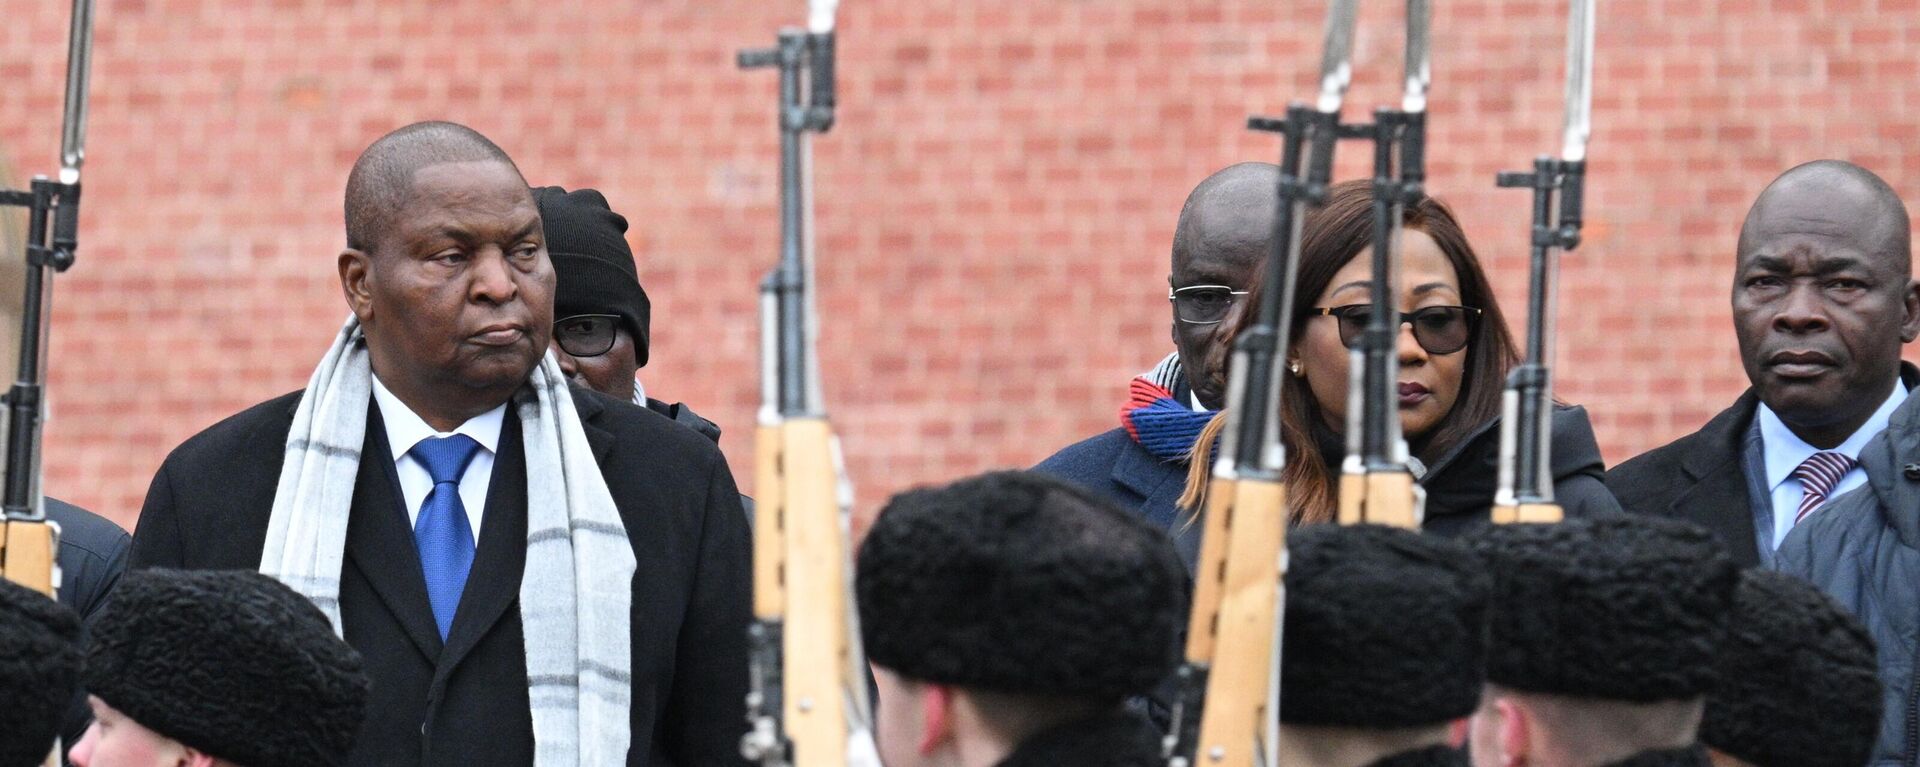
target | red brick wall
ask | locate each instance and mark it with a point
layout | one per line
(994, 206)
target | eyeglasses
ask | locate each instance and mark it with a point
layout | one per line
(1438, 329)
(1203, 304)
(587, 335)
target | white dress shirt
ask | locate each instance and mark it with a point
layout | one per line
(406, 428)
(1785, 451)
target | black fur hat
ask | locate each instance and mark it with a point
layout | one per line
(1385, 628)
(1020, 583)
(1799, 686)
(1623, 608)
(39, 672)
(230, 662)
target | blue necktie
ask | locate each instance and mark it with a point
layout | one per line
(442, 534)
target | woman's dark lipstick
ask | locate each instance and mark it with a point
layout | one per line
(1412, 394)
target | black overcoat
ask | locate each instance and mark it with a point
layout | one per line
(464, 701)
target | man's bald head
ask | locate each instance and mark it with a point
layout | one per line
(1229, 214)
(383, 176)
(1224, 233)
(1824, 298)
(1832, 198)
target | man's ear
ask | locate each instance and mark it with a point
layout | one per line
(193, 757)
(936, 718)
(1516, 734)
(356, 276)
(1910, 329)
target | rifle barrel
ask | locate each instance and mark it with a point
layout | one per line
(1579, 109)
(73, 129)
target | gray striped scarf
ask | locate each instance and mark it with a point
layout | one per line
(577, 588)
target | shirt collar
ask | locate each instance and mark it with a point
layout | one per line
(406, 428)
(1785, 451)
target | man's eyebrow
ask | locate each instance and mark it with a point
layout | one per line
(1822, 265)
(1204, 276)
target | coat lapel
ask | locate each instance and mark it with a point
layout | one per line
(1717, 497)
(380, 542)
(493, 584)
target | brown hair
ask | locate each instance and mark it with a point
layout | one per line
(1332, 235)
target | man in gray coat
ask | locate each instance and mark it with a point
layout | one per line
(1863, 549)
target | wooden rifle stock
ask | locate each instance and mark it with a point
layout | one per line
(808, 705)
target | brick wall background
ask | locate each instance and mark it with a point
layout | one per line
(994, 207)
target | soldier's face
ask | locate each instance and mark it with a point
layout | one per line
(117, 741)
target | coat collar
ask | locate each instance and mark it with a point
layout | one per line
(1112, 740)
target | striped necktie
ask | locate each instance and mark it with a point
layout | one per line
(1817, 475)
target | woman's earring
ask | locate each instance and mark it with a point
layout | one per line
(1293, 366)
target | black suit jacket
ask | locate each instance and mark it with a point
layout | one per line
(1700, 478)
(464, 701)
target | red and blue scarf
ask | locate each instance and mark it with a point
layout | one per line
(1157, 419)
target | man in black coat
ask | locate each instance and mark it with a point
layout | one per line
(447, 273)
(1224, 232)
(1823, 301)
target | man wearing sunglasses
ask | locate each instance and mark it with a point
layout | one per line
(1224, 231)
(603, 319)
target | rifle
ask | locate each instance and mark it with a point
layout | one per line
(808, 704)
(1229, 690)
(1376, 481)
(28, 540)
(1525, 492)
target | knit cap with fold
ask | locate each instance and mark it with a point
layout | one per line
(593, 265)
(1021, 583)
(231, 663)
(1623, 608)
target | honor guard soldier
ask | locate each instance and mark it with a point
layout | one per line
(1008, 617)
(1385, 647)
(1798, 686)
(231, 667)
(39, 672)
(1603, 639)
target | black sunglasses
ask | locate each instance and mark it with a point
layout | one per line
(587, 335)
(1438, 329)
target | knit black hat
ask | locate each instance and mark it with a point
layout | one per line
(39, 672)
(592, 263)
(1798, 684)
(1018, 582)
(1622, 608)
(230, 662)
(1385, 628)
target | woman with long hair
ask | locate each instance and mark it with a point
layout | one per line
(1454, 349)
